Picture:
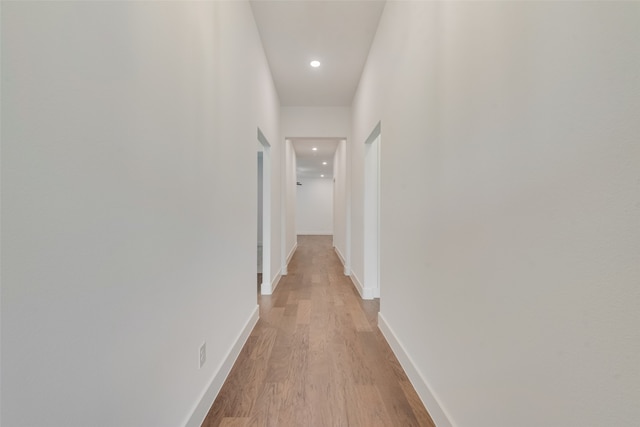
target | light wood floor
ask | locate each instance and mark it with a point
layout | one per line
(316, 357)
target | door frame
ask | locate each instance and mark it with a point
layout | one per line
(371, 286)
(266, 288)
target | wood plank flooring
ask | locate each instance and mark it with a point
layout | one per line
(316, 357)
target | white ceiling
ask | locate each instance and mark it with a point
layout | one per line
(309, 161)
(338, 33)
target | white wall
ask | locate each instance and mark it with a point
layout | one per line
(510, 205)
(128, 205)
(314, 206)
(325, 122)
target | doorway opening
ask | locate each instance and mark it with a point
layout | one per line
(372, 215)
(264, 216)
(320, 191)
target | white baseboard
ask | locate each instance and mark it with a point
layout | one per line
(206, 400)
(284, 270)
(347, 270)
(269, 288)
(429, 400)
(365, 293)
(293, 250)
(275, 282)
(337, 251)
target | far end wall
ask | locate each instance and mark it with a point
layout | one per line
(314, 206)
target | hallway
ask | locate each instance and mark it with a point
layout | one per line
(316, 356)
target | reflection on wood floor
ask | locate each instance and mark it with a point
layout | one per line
(316, 357)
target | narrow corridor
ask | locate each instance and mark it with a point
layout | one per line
(316, 357)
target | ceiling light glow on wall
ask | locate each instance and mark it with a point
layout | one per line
(324, 163)
(314, 63)
(321, 176)
(315, 148)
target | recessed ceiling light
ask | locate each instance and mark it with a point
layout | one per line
(315, 148)
(315, 64)
(321, 176)
(324, 163)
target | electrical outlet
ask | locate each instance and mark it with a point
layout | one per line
(203, 354)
